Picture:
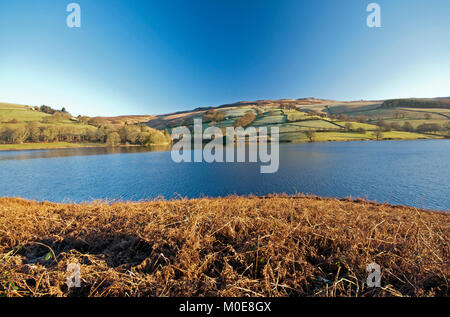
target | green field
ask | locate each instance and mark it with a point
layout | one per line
(397, 113)
(24, 114)
(26, 127)
(20, 113)
(269, 119)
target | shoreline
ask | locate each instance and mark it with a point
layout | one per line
(67, 145)
(350, 199)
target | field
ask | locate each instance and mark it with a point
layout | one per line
(20, 113)
(24, 114)
(233, 246)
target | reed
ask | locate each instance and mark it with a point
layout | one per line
(233, 246)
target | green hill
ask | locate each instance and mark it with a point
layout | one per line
(9, 111)
(328, 119)
(27, 127)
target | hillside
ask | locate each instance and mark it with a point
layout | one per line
(298, 120)
(31, 127)
(417, 103)
(9, 111)
(233, 246)
(327, 119)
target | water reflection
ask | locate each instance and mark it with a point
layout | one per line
(53, 153)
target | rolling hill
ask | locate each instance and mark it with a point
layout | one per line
(298, 120)
(330, 119)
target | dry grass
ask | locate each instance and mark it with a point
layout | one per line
(234, 246)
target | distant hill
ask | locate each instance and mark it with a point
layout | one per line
(129, 119)
(418, 103)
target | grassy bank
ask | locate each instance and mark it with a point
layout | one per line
(46, 146)
(234, 246)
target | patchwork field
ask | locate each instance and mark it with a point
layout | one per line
(329, 120)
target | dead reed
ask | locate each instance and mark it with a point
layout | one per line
(233, 246)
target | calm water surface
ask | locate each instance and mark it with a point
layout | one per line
(415, 173)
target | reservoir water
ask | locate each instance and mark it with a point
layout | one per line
(414, 173)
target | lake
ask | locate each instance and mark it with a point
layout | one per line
(415, 173)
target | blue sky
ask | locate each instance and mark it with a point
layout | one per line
(150, 57)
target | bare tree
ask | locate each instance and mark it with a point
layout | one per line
(311, 135)
(379, 134)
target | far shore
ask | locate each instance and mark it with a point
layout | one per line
(68, 145)
(56, 146)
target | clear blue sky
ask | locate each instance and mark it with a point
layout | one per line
(149, 57)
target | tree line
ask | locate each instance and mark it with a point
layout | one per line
(58, 128)
(34, 132)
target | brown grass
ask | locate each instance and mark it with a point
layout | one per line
(234, 246)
